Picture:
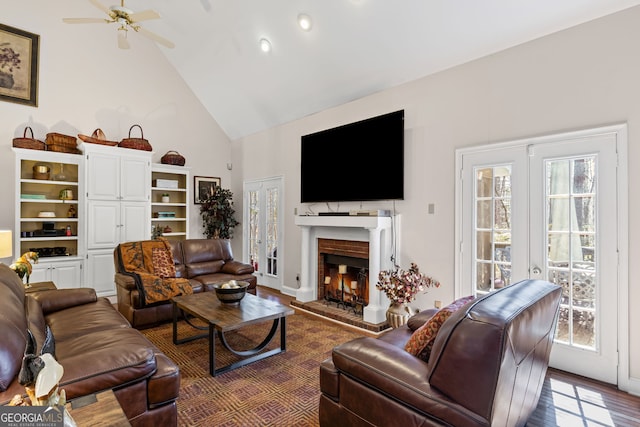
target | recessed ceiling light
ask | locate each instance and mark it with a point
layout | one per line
(265, 45)
(304, 21)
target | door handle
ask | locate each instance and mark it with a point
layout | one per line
(536, 270)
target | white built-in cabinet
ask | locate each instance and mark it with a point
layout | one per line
(50, 216)
(118, 206)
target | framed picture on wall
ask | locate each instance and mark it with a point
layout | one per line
(18, 66)
(203, 188)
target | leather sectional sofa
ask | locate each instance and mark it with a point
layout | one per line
(486, 368)
(96, 346)
(204, 262)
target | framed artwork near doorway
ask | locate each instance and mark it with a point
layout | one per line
(203, 188)
(19, 52)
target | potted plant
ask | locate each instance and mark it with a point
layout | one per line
(165, 198)
(217, 214)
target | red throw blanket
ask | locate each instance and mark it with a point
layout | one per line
(151, 264)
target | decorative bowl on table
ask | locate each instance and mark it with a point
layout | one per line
(231, 292)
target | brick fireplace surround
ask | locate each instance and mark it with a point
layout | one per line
(345, 236)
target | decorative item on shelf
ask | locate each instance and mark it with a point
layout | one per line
(165, 198)
(135, 143)
(97, 137)
(60, 176)
(29, 142)
(217, 214)
(22, 266)
(167, 229)
(66, 194)
(72, 212)
(172, 158)
(401, 287)
(41, 171)
(231, 292)
(61, 143)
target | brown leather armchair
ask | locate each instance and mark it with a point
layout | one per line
(487, 366)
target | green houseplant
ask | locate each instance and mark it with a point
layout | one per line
(217, 214)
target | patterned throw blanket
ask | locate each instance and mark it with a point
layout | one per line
(150, 262)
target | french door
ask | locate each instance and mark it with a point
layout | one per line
(546, 208)
(262, 236)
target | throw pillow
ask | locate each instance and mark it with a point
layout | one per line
(163, 263)
(421, 341)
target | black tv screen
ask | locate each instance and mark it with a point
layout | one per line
(359, 161)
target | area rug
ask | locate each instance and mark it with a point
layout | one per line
(281, 390)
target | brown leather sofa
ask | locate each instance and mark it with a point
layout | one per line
(486, 368)
(96, 346)
(204, 262)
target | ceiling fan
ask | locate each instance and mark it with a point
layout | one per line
(126, 19)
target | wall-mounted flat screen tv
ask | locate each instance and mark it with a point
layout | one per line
(360, 161)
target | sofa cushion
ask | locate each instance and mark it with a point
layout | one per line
(85, 319)
(421, 341)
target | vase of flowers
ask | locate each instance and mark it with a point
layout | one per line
(401, 287)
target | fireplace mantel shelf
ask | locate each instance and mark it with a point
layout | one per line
(343, 221)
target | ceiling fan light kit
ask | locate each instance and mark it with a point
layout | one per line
(125, 18)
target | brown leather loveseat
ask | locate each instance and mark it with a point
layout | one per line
(96, 346)
(486, 367)
(204, 262)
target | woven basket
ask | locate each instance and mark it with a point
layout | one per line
(97, 137)
(62, 148)
(135, 143)
(30, 143)
(61, 140)
(172, 158)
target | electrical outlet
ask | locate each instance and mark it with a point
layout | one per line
(437, 304)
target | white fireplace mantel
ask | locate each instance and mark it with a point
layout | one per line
(373, 229)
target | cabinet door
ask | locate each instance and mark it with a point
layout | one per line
(67, 274)
(40, 273)
(103, 176)
(103, 223)
(100, 272)
(135, 221)
(136, 179)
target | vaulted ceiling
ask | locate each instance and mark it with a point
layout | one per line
(354, 47)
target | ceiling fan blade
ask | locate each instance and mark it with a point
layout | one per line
(100, 6)
(123, 43)
(85, 20)
(145, 15)
(156, 37)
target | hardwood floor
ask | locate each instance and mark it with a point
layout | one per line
(567, 400)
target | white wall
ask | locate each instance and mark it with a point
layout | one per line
(584, 77)
(86, 82)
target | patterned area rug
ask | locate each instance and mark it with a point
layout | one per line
(281, 390)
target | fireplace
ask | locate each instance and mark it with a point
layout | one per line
(350, 287)
(366, 238)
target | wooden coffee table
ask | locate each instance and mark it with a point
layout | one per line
(228, 317)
